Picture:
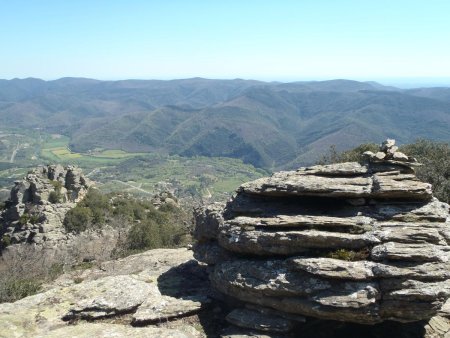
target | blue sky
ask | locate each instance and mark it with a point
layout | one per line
(268, 40)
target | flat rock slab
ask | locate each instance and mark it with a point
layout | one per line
(336, 169)
(411, 252)
(301, 183)
(110, 296)
(162, 308)
(357, 223)
(367, 270)
(293, 183)
(263, 243)
(334, 268)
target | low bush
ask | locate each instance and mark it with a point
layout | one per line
(55, 196)
(4, 242)
(349, 255)
(435, 169)
(159, 230)
(14, 289)
(78, 219)
(145, 226)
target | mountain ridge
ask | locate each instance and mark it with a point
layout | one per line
(269, 124)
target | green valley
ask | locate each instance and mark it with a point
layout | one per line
(141, 174)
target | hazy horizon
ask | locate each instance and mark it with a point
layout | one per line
(402, 83)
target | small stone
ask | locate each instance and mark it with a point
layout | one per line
(392, 150)
(389, 143)
(380, 156)
(368, 154)
(398, 156)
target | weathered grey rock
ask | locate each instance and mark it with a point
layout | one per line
(334, 268)
(388, 144)
(208, 221)
(113, 295)
(157, 308)
(437, 327)
(337, 169)
(295, 184)
(112, 291)
(353, 224)
(382, 185)
(399, 156)
(259, 242)
(30, 199)
(344, 242)
(210, 252)
(389, 185)
(411, 252)
(380, 156)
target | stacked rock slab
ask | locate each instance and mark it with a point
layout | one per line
(347, 242)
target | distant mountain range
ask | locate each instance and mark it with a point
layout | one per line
(269, 124)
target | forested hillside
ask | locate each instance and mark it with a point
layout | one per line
(271, 125)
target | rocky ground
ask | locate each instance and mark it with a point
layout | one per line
(166, 293)
(334, 251)
(158, 293)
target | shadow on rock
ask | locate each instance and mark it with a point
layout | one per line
(189, 281)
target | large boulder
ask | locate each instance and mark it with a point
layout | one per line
(356, 243)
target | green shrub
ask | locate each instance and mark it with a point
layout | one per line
(78, 219)
(57, 185)
(348, 255)
(146, 226)
(162, 228)
(55, 270)
(55, 197)
(14, 289)
(28, 218)
(34, 218)
(98, 204)
(4, 242)
(24, 219)
(435, 169)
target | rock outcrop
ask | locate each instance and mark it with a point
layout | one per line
(37, 205)
(142, 295)
(344, 242)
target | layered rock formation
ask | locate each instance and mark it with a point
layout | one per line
(37, 205)
(344, 242)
